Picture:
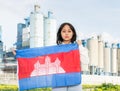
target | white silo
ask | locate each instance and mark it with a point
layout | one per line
(26, 37)
(100, 55)
(50, 30)
(93, 54)
(114, 68)
(36, 28)
(85, 65)
(107, 59)
(118, 58)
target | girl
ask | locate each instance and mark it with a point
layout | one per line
(66, 34)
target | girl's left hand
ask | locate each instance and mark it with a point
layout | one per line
(79, 42)
(13, 51)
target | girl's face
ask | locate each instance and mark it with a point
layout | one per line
(66, 34)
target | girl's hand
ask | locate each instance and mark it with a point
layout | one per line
(79, 42)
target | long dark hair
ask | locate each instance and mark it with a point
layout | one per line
(59, 37)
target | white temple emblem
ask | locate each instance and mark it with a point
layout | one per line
(47, 68)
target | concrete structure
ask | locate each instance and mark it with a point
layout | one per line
(107, 59)
(114, 67)
(92, 44)
(100, 56)
(26, 37)
(38, 31)
(49, 30)
(36, 28)
(118, 58)
(23, 32)
(98, 80)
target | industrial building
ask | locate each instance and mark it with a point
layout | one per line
(40, 30)
(104, 57)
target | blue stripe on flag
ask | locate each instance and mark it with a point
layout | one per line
(56, 80)
(34, 52)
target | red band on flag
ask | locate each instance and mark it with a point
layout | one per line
(50, 64)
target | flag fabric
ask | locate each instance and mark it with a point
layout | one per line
(52, 66)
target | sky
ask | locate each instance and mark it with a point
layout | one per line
(89, 17)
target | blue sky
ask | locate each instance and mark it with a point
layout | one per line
(88, 16)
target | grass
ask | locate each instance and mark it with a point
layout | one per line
(103, 87)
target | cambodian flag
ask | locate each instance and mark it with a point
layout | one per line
(52, 66)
